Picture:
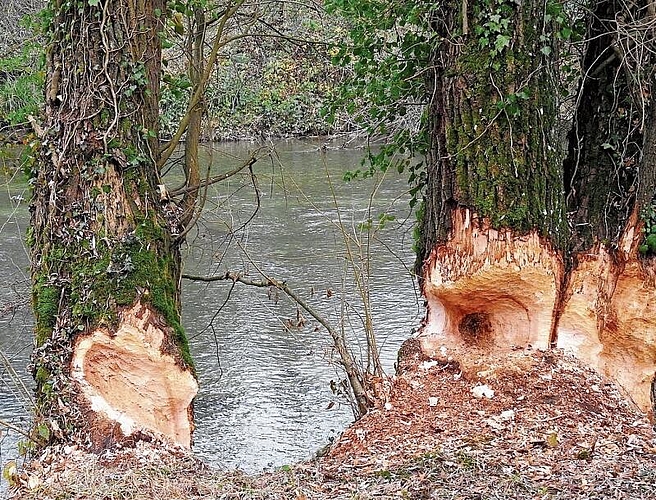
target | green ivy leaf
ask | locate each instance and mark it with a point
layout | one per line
(651, 243)
(501, 42)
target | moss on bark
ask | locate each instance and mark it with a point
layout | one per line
(493, 115)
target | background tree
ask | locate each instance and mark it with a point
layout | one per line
(212, 29)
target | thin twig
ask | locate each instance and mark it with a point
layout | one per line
(13, 427)
(352, 372)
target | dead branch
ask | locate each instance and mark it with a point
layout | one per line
(353, 374)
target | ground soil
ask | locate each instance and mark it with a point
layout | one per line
(468, 425)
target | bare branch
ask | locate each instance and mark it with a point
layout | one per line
(11, 426)
(219, 43)
(218, 178)
(352, 372)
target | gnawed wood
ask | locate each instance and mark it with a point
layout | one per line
(490, 288)
(131, 382)
(609, 319)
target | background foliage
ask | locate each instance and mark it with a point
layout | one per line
(386, 91)
(21, 78)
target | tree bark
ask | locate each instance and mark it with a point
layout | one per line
(111, 358)
(500, 267)
(493, 124)
(606, 138)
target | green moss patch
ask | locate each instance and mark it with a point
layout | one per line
(113, 274)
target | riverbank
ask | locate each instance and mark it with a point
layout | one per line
(528, 425)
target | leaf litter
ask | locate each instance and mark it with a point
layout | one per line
(541, 425)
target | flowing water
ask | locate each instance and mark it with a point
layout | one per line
(265, 397)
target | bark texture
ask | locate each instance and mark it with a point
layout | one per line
(605, 140)
(500, 267)
(493, 122)
(105, 261)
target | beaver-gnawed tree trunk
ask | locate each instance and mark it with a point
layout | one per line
(500, 266)
(111, 358)
(609, 315)
(494, 216)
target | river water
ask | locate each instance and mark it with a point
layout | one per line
(265, 397)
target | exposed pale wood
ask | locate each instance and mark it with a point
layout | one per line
(609, 319)
(130, 380)
(494, 290)
(490, 288)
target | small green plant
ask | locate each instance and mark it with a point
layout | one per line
(20, 97)
(466, 461)
(26, 446)
(648, 245)
(511, 103)
(393, 475)
(494, 30)
(385, 474)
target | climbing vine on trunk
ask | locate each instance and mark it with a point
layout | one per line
(102, 240)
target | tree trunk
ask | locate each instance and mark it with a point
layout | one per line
(609, 317)
(499, 266)
(111, 358)
(196, 58)
(494, 212)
